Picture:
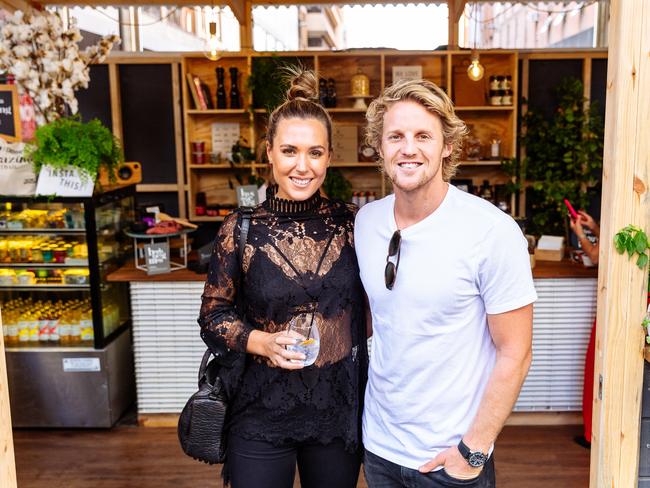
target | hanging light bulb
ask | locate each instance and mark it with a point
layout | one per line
(475, 70)
(213, 47)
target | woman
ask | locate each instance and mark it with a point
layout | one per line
(299, 259)
(591, 250)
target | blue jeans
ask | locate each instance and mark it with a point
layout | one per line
(381, 473)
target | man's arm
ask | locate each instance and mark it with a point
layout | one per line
(512, 335)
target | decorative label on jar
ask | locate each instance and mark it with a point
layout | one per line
(506, 99)
(495, 97)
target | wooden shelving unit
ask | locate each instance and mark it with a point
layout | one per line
(445, 68)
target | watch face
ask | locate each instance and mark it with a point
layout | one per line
(477, 459)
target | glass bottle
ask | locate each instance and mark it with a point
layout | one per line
(331, 93)
(486, 191)
(221, 88)
(235, 98)
(322, 92)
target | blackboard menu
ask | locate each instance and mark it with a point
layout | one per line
(9, 113)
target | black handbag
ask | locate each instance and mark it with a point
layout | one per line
(202, 423)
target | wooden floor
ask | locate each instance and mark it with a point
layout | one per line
(139, 457)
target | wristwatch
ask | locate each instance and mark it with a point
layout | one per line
(476, 459)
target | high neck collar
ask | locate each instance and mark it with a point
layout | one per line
(291, 207)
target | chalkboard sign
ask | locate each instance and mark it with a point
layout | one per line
(9, 113)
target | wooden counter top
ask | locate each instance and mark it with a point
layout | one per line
(563, 269)
(542, 269)
(130, 273)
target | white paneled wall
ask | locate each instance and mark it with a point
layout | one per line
(562, 320)
(166, 343)
(168, 348)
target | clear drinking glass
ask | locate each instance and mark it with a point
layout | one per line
(309, 343)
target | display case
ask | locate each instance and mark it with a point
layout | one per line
(62, 320)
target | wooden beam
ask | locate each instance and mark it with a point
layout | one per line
(452, 26)
(459, 8)
(618, 378)
(7, 461)
(13, 5)
(238, 7)
(246, 27)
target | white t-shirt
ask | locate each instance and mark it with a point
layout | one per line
(432, 353)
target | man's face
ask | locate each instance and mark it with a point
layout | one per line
(412, 146)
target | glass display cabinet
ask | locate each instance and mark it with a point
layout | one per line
(65, 327)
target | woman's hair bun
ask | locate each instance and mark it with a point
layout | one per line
(302, 84)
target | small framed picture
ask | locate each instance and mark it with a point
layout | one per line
(407, 73)
(462, 184)
(247, 196)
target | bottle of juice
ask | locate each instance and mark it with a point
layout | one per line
(64, 328)
(23, 328)
(75, 326)
(87, 332)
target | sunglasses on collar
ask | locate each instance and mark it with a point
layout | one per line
(390, 272)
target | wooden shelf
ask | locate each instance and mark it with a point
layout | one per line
(333, 110)
(218, 111)
(207, 218)
(346, 110)
(486, 108)
(355, 165)
(224, 166)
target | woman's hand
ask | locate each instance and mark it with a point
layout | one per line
(587, 221)
(273, 347)
(576, 226)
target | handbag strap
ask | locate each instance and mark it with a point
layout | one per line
(246, 214)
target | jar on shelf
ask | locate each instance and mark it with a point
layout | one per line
(360, 84)
(507, 83)
(506, 99)
(472, 146)
(496, 97)
(494, 83)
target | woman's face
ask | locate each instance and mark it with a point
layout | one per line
(299, 157)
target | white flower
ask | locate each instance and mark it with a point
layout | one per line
(21, 51)
(20, 69)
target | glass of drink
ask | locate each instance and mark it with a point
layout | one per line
(308, 342)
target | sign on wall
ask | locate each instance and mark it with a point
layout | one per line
(9, 113)
(17, 177)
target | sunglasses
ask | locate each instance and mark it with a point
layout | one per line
(390, 272)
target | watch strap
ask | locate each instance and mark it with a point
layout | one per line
(476, 459)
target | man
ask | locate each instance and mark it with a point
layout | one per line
(450, 289)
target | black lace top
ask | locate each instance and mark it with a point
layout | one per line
(287, 242)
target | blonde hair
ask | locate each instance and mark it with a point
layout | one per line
(301, 102)
(435, 101)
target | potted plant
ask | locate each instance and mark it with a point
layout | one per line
(564, 157)
(68, 145)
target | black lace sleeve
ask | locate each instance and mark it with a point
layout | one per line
(221, 325)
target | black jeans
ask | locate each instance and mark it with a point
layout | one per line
(381, 473)
(259, 464)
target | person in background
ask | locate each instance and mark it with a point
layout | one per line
(578, 226)
(448, 279)
(591, 249)
(298, 264)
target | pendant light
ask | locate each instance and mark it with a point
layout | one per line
(475, 70)
(213, 45)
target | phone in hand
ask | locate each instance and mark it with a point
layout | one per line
(572, 211)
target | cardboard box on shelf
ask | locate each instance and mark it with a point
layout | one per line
(550, 248)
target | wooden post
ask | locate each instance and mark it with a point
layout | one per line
(618, 377)
(7, 462)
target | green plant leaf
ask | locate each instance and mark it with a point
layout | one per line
(619, 242)
(641, 242)
(630, 246)
(642, 261)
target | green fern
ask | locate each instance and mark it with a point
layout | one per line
(71, 142)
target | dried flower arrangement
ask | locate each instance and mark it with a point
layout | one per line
(46, 62)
